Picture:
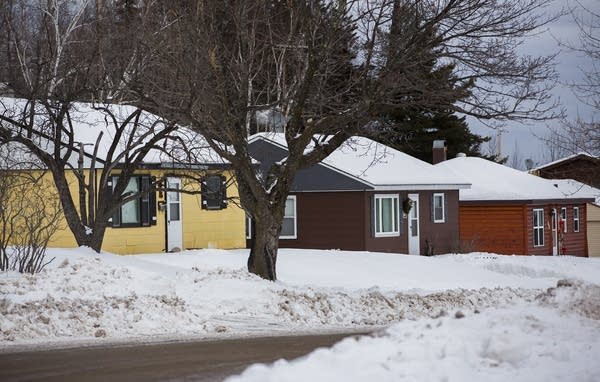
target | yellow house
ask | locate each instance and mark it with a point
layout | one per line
(173, 221)
(161, 221)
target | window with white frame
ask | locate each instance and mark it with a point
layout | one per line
(439, 215)
(563, 219)
(288, 228)
(538, 227)
(387, 215)
(575, 219)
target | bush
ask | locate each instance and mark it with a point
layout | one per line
(29, 216)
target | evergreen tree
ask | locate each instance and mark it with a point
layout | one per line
(414, 134)
(423, 119)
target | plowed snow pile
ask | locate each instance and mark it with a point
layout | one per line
(83, 296)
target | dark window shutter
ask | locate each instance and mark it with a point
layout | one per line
(203, 193)
(152, 201)
(223, 192)
(116, 218)
(145, 200)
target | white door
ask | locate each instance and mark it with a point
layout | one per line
(554, 232)
(413, 226)
(174, 226)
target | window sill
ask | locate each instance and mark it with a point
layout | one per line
(130, 226)
(391, 234)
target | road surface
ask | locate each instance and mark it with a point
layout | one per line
(179, 361)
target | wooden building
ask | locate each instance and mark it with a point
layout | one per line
(575, 189)
(582, 167)
(512, 212)
(366, 196)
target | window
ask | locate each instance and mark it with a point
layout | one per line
(538, 227)
(563, 219)
(575, 219)
(130, 211)
(139, 212)
(214, 192)
(439, 213)
(288, 227)
(386, 215)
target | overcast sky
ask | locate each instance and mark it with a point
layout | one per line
(569, 67)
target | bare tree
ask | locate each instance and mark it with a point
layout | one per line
(588, 21)
(55, 60)
(329, 69)
(580, 134)
(29, 211)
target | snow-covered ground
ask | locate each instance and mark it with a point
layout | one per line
(452, 317)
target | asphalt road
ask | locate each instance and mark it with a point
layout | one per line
(179, 361)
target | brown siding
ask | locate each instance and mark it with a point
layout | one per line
(329, 220)
(574, 243)
(396, 244)
(508, 229)
(583, 169)
(492, 228)
(342, 220)
(546, 249)
(443, 237)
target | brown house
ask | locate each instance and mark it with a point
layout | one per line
(366, 196)
(577, 189)
(512, 212)
(582, 167)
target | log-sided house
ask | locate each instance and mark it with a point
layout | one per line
(575, 189)
(508, 211)
(582, 167)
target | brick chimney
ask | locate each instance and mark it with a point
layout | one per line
(439, 151)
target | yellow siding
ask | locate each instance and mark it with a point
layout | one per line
(593, 230)
(212, 229)
(201, 228)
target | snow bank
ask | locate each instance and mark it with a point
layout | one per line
(521, 343)
(83, 296)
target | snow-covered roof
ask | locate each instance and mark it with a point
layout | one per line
(583, 154)
(492, 181)
(574, 189)
(380, 166)
(88, 122)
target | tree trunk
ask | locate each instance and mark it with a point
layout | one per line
(265, 243)
(97, 237)
(80, 231)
